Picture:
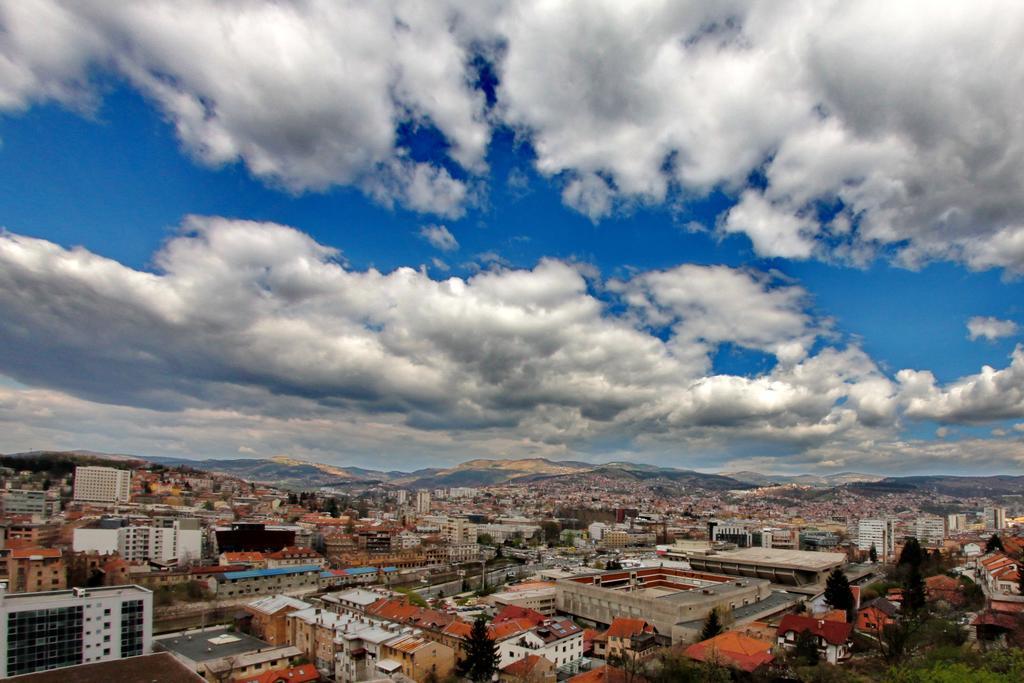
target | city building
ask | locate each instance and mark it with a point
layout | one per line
(45, 504)
(220, 655)
(930, 530)
(664, 596)
(423, 502)
(417, 657)
(32, 570)
(956, 522)
(269, 617)
(102, 484)
(995, 518)
(792, 568)
(82, 626)
(535, 595)
(180, 542)
(880, 533)
(284, 580)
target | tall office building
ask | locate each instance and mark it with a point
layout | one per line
(956, 522)
(103, 484)
(54, 629)
(423, 502)
(880, 533)
(182, 541)
(995, 518)
(930, 530)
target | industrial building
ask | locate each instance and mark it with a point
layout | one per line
(664, 596)
(794, 569)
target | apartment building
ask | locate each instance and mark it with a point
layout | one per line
(423, 502)
(880, 533)
(930, 530)
(102, 484)
(416, 657)
(180, 542)
(31, 570)
(458, 530)
(45, 504)
(995, 518)
(54, 629)
(956, 522)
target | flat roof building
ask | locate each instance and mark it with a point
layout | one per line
(663, 596)
(790, 568)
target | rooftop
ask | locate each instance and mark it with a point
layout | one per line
(790, 559)
(258, 573)
(161, 667)
(275, 603)
(44, 597)
(204, 646)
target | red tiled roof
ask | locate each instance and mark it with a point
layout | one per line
(834, 632)
(305, 673)
(523, 667)
(623, 627)
(606, 674)
(510, 612)
(734, 649)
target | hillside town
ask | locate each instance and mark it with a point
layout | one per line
(189, 574)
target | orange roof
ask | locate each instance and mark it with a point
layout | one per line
(734, 649)
(523, 667)
(243, 556)
(624, 627)
(29, 553)
(292, 551)
(606, 674)
(305, 673)
(407, 644)
(510, 612)
(459, 629)
(507, 629)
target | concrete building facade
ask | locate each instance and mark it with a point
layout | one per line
(102, 484)
(81, 626)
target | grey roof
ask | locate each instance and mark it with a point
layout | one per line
(196, 645)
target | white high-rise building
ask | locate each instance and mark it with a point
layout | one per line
(423, 502)
(995, 518)
(930, 530)
(182, 542)
(401, 495)
(880, 533)
(103, 484)
(55, 629)
(956, 522)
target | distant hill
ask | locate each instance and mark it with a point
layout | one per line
(296, 473)
(489, 472)
(950, 485)
(816, 480)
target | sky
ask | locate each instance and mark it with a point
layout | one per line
(779, 236)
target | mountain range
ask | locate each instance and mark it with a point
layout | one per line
(295, 473)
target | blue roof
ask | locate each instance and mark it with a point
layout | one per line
(256, 573)
(361, 570)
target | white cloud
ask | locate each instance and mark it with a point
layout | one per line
(987, 396)
(990, 328)
(901, 117)
(306, 95)
(439, 237)
(258, 322)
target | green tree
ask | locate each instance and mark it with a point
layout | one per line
(873, 554)
(994, 543)
(838, 594)
(805, 649)
(552, 531)
(332, 507)
(914, 591)
(712, 625)
(482, 658)
(485, 539)
(208, 505)
(912, 555)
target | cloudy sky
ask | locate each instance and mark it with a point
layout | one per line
(786, 236)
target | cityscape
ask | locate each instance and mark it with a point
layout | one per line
(534, 341)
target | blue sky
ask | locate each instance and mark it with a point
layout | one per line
(602, 176)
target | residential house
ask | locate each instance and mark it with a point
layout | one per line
(269, 617)
(416, 657)
(529, 669)
(833, 637)
(629, 638)
(876, 615)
